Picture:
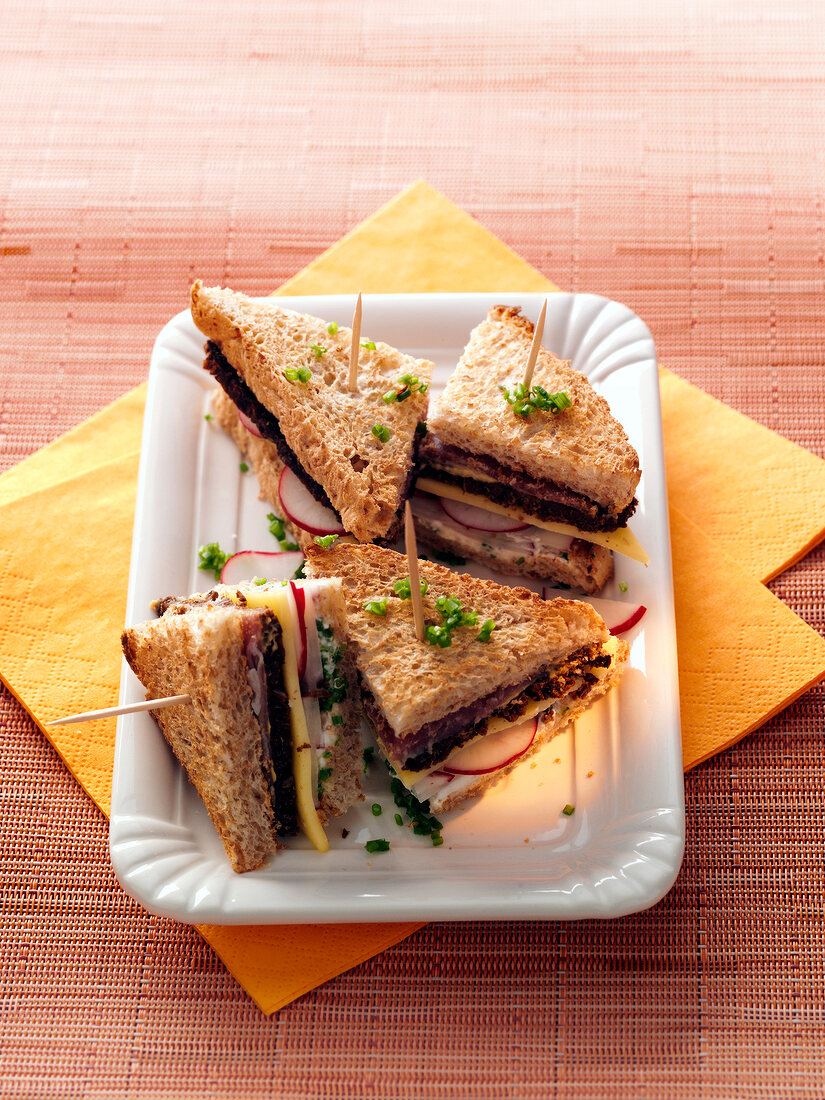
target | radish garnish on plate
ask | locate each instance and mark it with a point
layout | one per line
(479, 519)
(494, 751)
(303, 509)
(618, 616)
(248, 565)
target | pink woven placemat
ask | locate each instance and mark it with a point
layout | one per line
(665, 156)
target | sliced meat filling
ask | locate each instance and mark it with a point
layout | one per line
(513, 488)
(179, 605)
(434, 741)
(264, 655)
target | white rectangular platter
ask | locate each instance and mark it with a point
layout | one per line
(511, 854)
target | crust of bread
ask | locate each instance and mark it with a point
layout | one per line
(548, 728)
(588, 567)
(328, 428)
(217, 738)
(583, 448)
(413, 682)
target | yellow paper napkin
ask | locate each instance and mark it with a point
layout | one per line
(60, 617)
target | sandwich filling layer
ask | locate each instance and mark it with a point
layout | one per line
(518, 548)
(430, 745)
(483, 475)
(549, 706)
(262, 643)
(622, 540)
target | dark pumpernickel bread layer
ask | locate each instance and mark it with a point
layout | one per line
(514, 489)
(235, 387)
(276, 735)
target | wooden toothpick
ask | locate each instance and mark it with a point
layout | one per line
(412, 563)
(352, 385)
(534, 349)
(127, 708)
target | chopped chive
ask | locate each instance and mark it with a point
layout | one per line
(208, 416)
(368, 344)
(409, 384)
(276, 526)
(623, 586)
(259, 580)
(332, 328)
(297, 374)
(487, 628)
(569, 810)
(524, 401)
(367, 756)
(438, 840)
(325, 540)
(244, 468)
(377, 810)
(402, 588)
(376, 607)
(212, 558)
(381, 432)
(417, 812)
(399, 819)
(319, 350)
(337, 720)
(380, 845)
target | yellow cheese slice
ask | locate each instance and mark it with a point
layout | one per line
(279, 600)
(622, 541)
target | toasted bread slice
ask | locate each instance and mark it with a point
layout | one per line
(199, 648)
(417, 686)
(328, 429)
(583, 449)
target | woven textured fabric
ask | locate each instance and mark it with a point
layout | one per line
(666, 157)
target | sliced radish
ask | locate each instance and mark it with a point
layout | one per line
(300, 607)
(314, 675)
(248, 564)
(618, 616)
(303, 509)
(250, 425)
(479, 519)
(636, 613)
(494, 751)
